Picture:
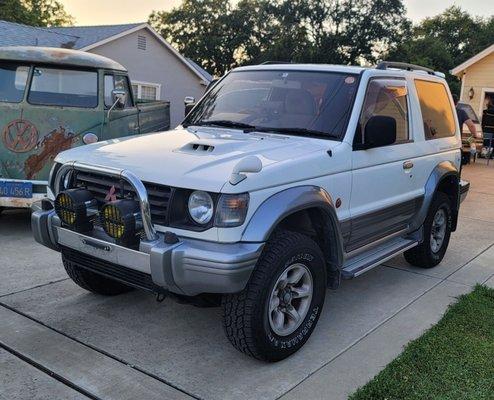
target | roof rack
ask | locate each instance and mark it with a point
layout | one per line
(275, 62)
(406, 66)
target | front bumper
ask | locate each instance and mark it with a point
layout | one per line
(189, 267)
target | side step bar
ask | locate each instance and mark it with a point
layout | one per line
(364, 262)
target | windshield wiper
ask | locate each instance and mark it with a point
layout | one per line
(224, 123)
(296, 132)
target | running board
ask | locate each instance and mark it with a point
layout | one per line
(364, 262)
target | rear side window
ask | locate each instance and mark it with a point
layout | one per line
(61, 87)
(385, 97)
(13, 80)
(437, 112)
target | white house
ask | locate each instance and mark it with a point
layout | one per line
(156, 69)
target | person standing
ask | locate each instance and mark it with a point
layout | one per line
(488, 124)
(463, 118)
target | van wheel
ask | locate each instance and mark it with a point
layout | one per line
(92, 282)
(437, 232)
(279, 308)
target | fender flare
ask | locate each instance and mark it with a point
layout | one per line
(440, 172)
(289, 201)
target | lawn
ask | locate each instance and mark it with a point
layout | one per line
(453, 360)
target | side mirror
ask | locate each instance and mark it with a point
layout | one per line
(189, 103)
(379, 131)
(119, 98)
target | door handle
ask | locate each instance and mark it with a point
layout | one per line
(407, 165)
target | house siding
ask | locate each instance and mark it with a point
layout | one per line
(478, 76)
(156, 64)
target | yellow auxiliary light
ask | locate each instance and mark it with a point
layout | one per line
(72, 206)
(121, 220)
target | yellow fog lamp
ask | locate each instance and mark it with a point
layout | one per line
(72, 207)
(121, 220)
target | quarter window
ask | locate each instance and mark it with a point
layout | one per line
(437, 112)
(61, 87)
(13, 80)
(385, 97)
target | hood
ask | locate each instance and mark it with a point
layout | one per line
(196, 158)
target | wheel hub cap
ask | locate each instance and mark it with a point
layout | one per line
(438, 231)
(290, 299)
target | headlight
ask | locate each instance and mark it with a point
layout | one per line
(72, 206)
(201, 207)
(231, 210)
(121, 220)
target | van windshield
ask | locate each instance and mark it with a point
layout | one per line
(13, 79)
(281, 101)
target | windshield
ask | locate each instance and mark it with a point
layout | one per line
(13, 80)
(292, 102)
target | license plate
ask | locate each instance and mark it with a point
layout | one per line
(16, 189)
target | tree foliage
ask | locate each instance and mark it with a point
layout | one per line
(34, 12)
(445, 41)
(220, 35)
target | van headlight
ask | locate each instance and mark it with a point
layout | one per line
(201, 207)
(231, 210)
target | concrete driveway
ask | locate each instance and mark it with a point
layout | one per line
(59, 342)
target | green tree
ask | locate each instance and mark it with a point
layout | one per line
(220, 35)
(34, 12)
(445, 41)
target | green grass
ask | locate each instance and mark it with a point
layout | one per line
(453, 360)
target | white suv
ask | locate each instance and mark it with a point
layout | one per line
(282, 180)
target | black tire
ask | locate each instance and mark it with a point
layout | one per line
(423, 255)
(245, 314)
(92, 282)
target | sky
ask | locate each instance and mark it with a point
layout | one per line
(104, 12)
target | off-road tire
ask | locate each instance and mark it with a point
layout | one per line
(422, 255)
(92, 282)
(245, 314)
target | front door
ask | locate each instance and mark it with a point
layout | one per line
(119, 121)
(384, 194)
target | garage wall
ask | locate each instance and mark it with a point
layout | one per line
(155, 64)
(478, 76)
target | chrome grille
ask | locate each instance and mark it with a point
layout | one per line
(99, 185)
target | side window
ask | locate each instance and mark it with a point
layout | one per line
(437, 112)
(64, 87)
(117, 82)
(13, 80)
(385, 97)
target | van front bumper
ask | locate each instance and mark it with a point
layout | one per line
(188, 267)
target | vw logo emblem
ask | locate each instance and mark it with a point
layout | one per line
(20, 136)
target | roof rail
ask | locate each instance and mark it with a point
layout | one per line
(406, 66)
(275, 62)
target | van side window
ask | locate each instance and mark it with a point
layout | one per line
(117, 82)
(385, 97)
(64, 87)
(13, 79)
(437, 111)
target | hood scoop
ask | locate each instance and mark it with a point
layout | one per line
(199, 148)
